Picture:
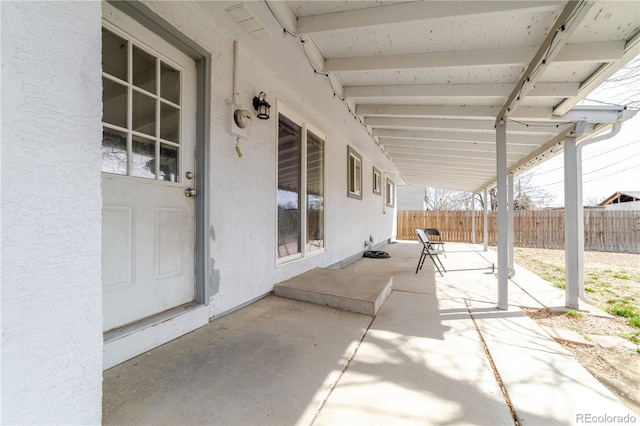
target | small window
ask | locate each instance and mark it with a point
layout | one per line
(354, 175)
(377, 182)
(390, 192)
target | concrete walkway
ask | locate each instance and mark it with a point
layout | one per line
(438, 352)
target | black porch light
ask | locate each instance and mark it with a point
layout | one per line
(262, 106)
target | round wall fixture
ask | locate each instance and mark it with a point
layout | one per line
(242, 117)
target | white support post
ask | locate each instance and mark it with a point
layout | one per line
(573, 222)
(503, 220)
(485, 232)
(473, 218)
(510, 218)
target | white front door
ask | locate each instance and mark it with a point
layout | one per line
(147, 163)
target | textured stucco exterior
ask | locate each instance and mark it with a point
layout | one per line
(51, 198)
(51, 211)
(243, 189)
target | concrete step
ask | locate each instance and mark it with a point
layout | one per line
(338, 288)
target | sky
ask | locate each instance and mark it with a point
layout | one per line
(607, 166)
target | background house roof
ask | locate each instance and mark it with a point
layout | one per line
(621, 197)
(427, 80)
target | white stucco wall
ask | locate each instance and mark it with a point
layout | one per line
(243, 192)
(51, 199)
(51, 206)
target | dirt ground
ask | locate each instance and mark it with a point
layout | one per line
(612, 280)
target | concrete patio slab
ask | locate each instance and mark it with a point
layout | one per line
(405, 371)
(545, 384)
(272, 363)
(437, 352)
(338, 288)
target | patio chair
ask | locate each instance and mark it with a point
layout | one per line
(436, 239)
(429, 250)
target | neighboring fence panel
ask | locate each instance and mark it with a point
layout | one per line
(604, 230)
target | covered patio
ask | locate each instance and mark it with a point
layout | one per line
(364, 96)
(437, 352)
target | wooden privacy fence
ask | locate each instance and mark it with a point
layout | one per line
(616, 231)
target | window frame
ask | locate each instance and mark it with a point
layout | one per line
(135, 41)
(354, 174)
(390, 189)
(377, 181)
(306, 128)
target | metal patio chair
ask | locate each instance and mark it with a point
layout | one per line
(429, 250)
(435, 239)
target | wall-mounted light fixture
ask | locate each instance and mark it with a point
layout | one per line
(262, 106)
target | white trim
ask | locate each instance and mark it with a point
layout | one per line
(153, 335)
(377, 173)
(357, 192)
(305, 127)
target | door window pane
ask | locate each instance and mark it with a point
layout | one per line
(114, 103)
(169, 160)
(144, 113)
(145, 107)
(169, 122)
(289, 177)
(114, 55)
(170, 83)
(144, 70)
(143, 154)
(114, 152)
(315, 192)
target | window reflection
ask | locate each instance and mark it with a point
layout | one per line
(114, 55)
(169, 122)
(170, 83)
(289, 177)
(114, 103)
(315, 192)
(144, 70)
(144, 113)
(169, 170)
(143, 153)
(114, 152)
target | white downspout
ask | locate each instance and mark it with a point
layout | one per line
(473, 218)
(615, 129)
(485, 218)
(574, 217)
(510, 218)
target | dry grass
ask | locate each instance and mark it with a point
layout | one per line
(612, 280)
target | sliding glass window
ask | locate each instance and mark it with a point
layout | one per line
(301, 182)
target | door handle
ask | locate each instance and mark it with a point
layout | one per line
(190, 192)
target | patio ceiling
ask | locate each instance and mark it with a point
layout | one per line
(429, 79)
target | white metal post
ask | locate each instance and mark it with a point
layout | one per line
(473, 218)
(510, 217)
(485, 232)
(503, 225)
(573, 226)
